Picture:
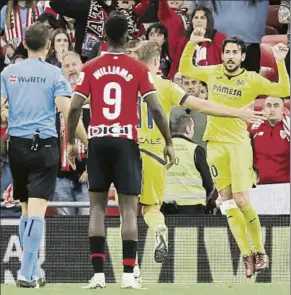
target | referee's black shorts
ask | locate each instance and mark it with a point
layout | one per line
(34, 173)
(114, 160)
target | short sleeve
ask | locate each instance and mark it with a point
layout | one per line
(83, 85)
(146, 82)
(4, 76)
(177, 94)
(62, 87)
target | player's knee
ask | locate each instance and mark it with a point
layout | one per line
(37, 207)
(242, 199)
(228, 205)
(150, 209)
(129, 229)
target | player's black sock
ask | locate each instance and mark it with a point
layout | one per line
(97, 250)
(129, 249)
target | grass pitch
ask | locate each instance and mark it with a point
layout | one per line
(155, 289)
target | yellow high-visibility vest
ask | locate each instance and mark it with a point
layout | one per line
(184, 182)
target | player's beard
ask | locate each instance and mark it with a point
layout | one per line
(231, 70)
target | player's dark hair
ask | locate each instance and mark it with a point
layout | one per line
(36, 37)
(116, 29)
(235, 40)
(179, 124)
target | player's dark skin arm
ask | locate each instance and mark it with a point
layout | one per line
(159, 117)
(74, 116)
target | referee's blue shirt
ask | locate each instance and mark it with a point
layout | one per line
(31, 87)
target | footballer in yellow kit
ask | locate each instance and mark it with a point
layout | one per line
(229, 152)
(152, 144)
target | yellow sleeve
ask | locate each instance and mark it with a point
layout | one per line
(266, 87)
(186, 67)
(177, 94)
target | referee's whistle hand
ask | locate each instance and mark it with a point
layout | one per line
(72, 155)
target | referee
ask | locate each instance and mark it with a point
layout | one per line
(33, 89)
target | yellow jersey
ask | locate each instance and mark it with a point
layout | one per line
(234, 91)
(169, 94)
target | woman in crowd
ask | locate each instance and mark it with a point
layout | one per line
(158, 33)
(60, 45)
(207, 53)
(90, 16)
(16, 16)
(49, 21)
(174, 17)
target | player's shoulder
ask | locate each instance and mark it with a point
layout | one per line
(12, 69)
(160, 82)
(251, 75)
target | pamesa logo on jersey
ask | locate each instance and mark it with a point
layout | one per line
(226, 91)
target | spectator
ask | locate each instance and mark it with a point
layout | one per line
(247, 20)
(68, 24)
(6, 178)
(271, 144)
(131, 48)
(159, 34)
(90, 16)
(207, 53)
(17, 58)
(71, 184)
(191, 86)
(46, 19)
(188, 181)
(284, 18)
(16, 16)
(174, 18)
(203, 94)
(134, 12)
(61, 44)
(200, 120)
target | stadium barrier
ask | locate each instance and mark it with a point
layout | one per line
(201, 250)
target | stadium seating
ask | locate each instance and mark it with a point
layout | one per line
(259, 103)
(268, 63)
(272, 19)
(271, 31)
(274, 39)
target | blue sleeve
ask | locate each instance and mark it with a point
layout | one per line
(62, 87)
(4, 76)
(3, 17)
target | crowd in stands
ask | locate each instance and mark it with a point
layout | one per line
(77, 35)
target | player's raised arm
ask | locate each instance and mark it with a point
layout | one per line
(282, 88)
(186, 67)
(218, 110)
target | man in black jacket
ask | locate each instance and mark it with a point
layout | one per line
(90, 16)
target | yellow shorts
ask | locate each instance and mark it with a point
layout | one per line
(231, 164)
(154, 176)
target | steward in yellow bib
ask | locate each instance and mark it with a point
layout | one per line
(189, 180)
